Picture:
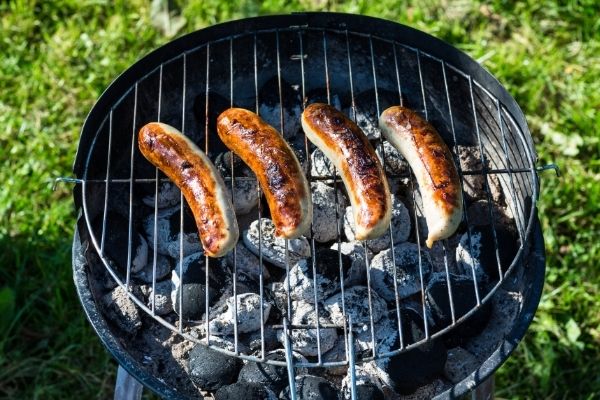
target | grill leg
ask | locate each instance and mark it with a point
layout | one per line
(127, 387)
(485, 391)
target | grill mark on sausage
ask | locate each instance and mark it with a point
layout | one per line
(195, 179)
(366, 183)
(433, 153)
(276, 167)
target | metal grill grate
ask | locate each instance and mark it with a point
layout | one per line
(347, 62)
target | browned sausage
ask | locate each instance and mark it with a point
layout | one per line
(276, 167)
(342, 141)
(202, 186)
(431, 161)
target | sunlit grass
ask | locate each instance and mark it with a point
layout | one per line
(57, 57)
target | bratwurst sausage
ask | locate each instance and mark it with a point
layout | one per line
(431, 162)
(342, 141)
(202, 186)
(275, 165)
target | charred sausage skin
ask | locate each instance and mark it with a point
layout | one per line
(343, 142)
(275, 165)
(431, 161)
(197, 178)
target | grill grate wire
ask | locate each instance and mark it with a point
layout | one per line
(526, 167)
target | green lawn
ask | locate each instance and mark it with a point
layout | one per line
(57, 57)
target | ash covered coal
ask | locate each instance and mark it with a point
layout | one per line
(246, 262)
(320, 165)
(477, 251)
(356, 253)
(169, 195)
(271, 376)
(245, 391)
(305, 340)
(327, 265)
(272, 247)
(210, 369)
(245, 188)
(122, 311)
(168, 232)
(249, 310)
(400, 225)
(464, 300)
(356, 302)
(410, 262)
(310, 387)
(163, 268)
(391, 159)
(325, 221)
(116, 242)
(160, 298)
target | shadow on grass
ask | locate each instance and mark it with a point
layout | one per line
(47, 348)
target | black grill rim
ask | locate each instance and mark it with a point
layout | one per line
(334, 21)
(376, 26)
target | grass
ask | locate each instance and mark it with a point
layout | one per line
(57, 57)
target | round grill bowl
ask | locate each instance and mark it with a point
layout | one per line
(383, 63)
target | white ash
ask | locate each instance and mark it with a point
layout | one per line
(400, 224)
(325, 223)
(356, 302)
(273, 248)
(326, 264)
(163, 268)
(279, 295)
(386, 333)
(468, 255)
(140, 255)
(301, 283)
(470, 161)
(168, 236)
(321, 166)
(394, 163)
(304, 341)
(246, 262)
(442, 252)
(365, 118)
(161, 298)
(169, 195)
(459, 364)
(245, 194)
(248, 315)
(221, 342)
(357, 274)
(122, 310)
(505, 308)
(495, 187)
(408, 279)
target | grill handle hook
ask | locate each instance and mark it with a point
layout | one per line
(547, 167)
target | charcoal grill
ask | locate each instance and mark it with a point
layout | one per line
(357, 61)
